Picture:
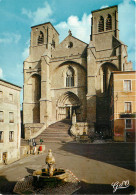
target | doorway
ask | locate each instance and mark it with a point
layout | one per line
(67, 112)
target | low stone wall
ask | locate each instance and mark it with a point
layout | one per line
(31, 129)
(26, 150)
(79, 127)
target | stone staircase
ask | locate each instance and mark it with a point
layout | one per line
(57, 132)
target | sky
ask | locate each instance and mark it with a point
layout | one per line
(17, 17)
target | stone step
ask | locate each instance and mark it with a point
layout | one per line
(57, 132)
(56, 129)
(52, 134)
(54, 140)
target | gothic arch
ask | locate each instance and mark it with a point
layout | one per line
(72, 63)
(76, 69)
(108, 22)
(68, 98)
(36, 87)
(101, 24)
(35, 73)
(70, 77)
(67, 102)
(105, 73)
(40, 38)
(36, 95)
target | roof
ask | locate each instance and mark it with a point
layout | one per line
(74, 38)
(122, 72)
(104, 8)
(10, 83)
(45, 23)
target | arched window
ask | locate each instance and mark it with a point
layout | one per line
(70, 77)
(70, 45)
(101, 24)
(53, 43)
(109, 22)
(41, 38)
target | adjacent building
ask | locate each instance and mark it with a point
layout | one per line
(123, 105)
(72, 76)
(10, 129)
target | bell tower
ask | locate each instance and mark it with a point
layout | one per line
(104, 26)
(44, 38)
(100, 51)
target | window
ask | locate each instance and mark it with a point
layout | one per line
(101, 24)
(1, 136)
(128, 123)
(109, 22)
(127, 85)
(1, 94)
(1, 116)
(53, 43)
(41, 38)
(70, 45)
(127, 107)
(70, 77)
(11, 117)
(11, 97)
(11, 136)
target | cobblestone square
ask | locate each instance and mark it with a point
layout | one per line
(97, 166)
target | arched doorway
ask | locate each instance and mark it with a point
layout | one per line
(66, 105)
(105, 72)
(36, 95)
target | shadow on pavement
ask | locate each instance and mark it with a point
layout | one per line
(30, 170)
(118, 154)
(6, 187)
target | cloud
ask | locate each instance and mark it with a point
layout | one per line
(25, 53)
(79, 28)
(9, 38)
(104, 6)
(40, 15)
(1, 73)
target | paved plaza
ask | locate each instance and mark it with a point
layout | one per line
(95, 165)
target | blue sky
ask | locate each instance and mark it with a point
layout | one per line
(17, 16)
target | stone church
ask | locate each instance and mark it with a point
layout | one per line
(72, 76)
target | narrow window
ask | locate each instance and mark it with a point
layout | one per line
(53, 43)
(109, 22)
(128, 123)
(11, 136)
(1, 94)
(70, 77)
(11, 117)
(10, 97)
(101, 24)
(70, 45)
(1, 136)
(127, 85)
(127, 107)
(1, 116)
(41, 38)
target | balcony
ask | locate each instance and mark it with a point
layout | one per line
(127, 115)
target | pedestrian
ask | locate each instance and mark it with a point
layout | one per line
(34, 147)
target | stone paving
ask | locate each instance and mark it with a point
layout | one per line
(97, 166)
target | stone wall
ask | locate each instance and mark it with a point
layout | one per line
(10, 124)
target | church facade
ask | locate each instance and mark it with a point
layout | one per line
(72, 76)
